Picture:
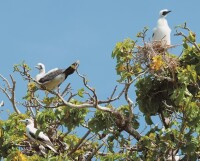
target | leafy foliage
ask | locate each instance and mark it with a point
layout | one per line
(81, 126)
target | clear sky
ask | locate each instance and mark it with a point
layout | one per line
(57, 33)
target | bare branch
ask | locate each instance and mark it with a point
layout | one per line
(97, 149)
(95, 99)
(79, 143)
(6, 81)
(129, 101)
(66, 89)
(111, 99)
(11, 94)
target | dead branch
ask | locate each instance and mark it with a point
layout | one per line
(79, 143)
(10, 92)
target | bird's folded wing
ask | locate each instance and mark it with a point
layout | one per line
(50, 76)
(35, 135)
(52, 70)
(45, 139)
(40, 136)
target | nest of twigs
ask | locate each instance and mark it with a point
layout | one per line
(156, 57)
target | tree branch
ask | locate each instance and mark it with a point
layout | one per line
(79, 143)
(11, 90)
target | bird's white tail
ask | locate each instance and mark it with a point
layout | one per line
(50, 147)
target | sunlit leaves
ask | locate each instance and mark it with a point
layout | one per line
(113, 156)
(192, 36)
(49, 100)
(157, 63)
(46, 117)
(10, 133)
(187, 75)
(123, 50)
(21, 65)
(167, 88)
(32, 86)
(17, 156)
(81, 92)
(71, 117)
(123, 53)
(193, 115)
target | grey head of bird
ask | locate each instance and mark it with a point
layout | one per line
(40, 67)
(164, 12)
(27, 121)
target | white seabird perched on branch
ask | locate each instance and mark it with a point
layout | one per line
(37, 135)
(55, 77)
(162, 31)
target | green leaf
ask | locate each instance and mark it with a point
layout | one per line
(191, 36)
(81, 92)
(185, 45)
(148, 120)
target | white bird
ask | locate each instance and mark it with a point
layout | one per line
(37, 135)
(162, 31)
(55, 77)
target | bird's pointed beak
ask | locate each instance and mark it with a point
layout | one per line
(37, 66)
(169, 11)
(22, 120)
(77, 64)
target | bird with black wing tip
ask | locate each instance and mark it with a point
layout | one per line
(55, 77)
(37, 135)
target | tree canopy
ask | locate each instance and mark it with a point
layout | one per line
(162, 122)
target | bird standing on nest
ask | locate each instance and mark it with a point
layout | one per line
(162, 31)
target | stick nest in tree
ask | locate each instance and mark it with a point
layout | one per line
(155, 56)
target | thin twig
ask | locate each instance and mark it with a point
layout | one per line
(11, 90)
(79, 143)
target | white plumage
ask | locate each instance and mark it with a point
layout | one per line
(55, 77)
(37, 135)
(162, 30)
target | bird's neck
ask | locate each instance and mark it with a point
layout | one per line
(30, 126)
(42, 71)
(162, 21)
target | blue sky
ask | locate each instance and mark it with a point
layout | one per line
(57, 33)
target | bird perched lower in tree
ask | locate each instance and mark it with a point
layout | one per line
(162, 30)
(55, 77)
(37, 135)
